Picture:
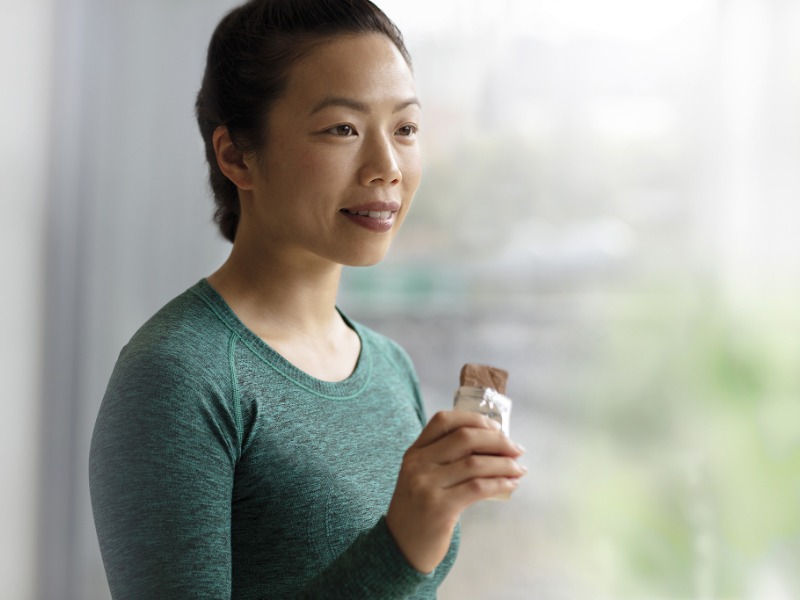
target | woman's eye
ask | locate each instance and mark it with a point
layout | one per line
(343, 130)
(407, 130)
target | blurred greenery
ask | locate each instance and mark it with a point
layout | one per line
(689, 484)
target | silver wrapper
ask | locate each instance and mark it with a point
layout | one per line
(488, 402)
(485, 401)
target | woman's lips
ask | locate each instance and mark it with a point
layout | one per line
(379, 221)
(375, 216)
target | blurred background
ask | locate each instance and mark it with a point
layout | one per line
(610, 210)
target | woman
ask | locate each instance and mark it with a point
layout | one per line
(254, 442)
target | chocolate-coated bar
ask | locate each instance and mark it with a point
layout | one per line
(484, 376)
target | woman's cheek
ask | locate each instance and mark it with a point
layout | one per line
(326, 163)
(412, 174)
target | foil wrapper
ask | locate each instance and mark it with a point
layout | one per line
(490, 403)
(486, 401)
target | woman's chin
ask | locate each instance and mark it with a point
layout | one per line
(365, 255)
(365, 261)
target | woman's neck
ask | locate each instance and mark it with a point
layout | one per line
(278, 295)
(291, 305)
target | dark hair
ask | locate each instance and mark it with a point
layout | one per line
(249, 58)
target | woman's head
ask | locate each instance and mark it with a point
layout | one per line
(249, 59)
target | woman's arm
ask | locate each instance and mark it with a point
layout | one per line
(161, 474)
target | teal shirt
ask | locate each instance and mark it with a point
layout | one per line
(220, 470)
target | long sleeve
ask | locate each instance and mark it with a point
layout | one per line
(372, 567)
(161, 475)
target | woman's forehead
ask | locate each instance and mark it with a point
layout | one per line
(367, 69)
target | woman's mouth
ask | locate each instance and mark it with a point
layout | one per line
(379, 221)
(372, 214)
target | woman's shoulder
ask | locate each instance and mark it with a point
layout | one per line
(185, 333)
(171, 382)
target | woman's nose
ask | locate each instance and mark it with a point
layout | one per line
(380, 165)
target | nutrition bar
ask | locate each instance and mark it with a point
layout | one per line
(482, 390)
(484, 376)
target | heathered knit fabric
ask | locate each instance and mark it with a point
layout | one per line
(220, 470)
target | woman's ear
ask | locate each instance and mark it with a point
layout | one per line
(231, 160)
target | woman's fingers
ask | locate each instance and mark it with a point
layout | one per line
(473, 490)
(479, 466)
(445, 422)
(466, 441)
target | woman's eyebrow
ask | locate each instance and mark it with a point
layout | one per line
(406, 103)
(363, 107)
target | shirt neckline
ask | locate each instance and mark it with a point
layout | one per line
(345, 389)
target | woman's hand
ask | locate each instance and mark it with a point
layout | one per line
(458, 459)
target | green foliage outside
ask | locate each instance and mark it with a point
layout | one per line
(690, 487)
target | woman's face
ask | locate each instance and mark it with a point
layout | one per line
(341, 162)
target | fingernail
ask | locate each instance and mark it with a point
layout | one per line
(519, 447)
